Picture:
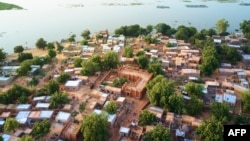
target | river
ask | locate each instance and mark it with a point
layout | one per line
(57, 19)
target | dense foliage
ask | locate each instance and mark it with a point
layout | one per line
(118, 82)
(41, 43)
(194, 89)
(10, 124)
(57, 99)
(194, 106)
(246, 101)
(24, 56)
(210, 61)
(63, 77)
(128, 52)
(245, 27)
(159, 133)
(221, 111)
(95, 127)
(41, 128)
(111, 107)
(146, 118)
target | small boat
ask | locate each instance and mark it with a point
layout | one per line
(244, 4)
(162, 6)
(196, 6)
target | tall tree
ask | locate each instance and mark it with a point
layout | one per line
(162, 28)
(26, 138)
(111, 107)
(10, 124)
(210, 130)
(50, 46)
(128, 52)
(59, 47)
(159, 90)
(221, 111)
(146, 118)
(194, 106)
(18, 49)
(110, 60)
(89, 68)
(58, 98)
(85, 34)
(246, 101)
(25, 67)
(78, 62)
(222, 25)
(176, 103)
(155, 67)
(2, 55)
(245, 27)
(210, 60)
(72, 38)
(63, 77)
(143, 61)
(52, 87)
(51, 53)
(194, 89)
(159, 133)
(41, 128)
(24, 56)
(41, 43)
(95, 127)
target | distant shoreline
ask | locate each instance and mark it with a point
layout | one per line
(8, 6)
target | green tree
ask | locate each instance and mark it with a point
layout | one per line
(11, 124)
(2, 54)
(155, 67)
(84, 42)
(139, 53)
(25, 67)
(221, 111)
(245, 27)
(63, 77)
(210, 61)
(24, 56)
(26, 138)
(95, 127)
(33, 82)
(52, 53)
(18, 49)
(146, 118)
(143, 61)
(240, 119)
(176, 103)
(110, 60)
(149, 29)
(128, 52)
(222, 25)
(150, 39)
(72, 38)
(52, 86)
(159, 90)
(194, 106)
(57, 99)
(41, 43)
(78, 62)
(59, 47)
(50, 46)
(118, 82)
(98, 60)
(194, 89)
(41, 128)
(185, 33)
(163, 28)
(1, 138)
(210, 130)
(246, 101)
(89, 68)
(159, 133)
(85, 34)
(111, 107)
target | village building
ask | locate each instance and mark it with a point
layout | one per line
(62, 117)
(111, 117)
(246, 59)
(157, 111)
(4, 81)
(71, 131)
(72, 85)
(190, 72)
(22, 117)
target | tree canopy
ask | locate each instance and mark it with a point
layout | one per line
(50, 46)
(210, 61)
(2, 54)
(143, 61)
(71, 38)
(245, 27)
(26, 138)
(24, 56)
(25, 67)
(194, 106)
(111, 107)
(95, 127)
(10, 124)
(221, 111)
(159, 90)
(176, 103)
(85, 34)
(163, 28)
(155, 67)
(57, 99)
(52, 86)
(146, 118)
(51, 53)
(222, 25)
(246, 101)
(18, 49)
(159, 133)
(41, 128)
(78, 62)
(128, 52)
(110, 60)
(89, 68)
(194, 89)
(63, 77)
(41, 43)
(210, 130)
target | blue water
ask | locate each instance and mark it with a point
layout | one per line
(57, 19)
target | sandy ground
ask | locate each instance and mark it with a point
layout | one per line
(34, 51)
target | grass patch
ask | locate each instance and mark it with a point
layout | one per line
(7, 6)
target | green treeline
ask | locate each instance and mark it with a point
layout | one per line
(7, 6)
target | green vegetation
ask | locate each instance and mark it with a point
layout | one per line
(159, 133)
(128, 52)
(146, 118)
(63, 77)
(221, 111)
(222, 25)
(111, 107)
(11, 124)
(176, 103)
(194, 89)
(24, 56)
(26, 138)
(7, 6)
(2, 55)
(210, 61)
(245, 27)
(58, 98)
(194, 106)
(155, 67)
(41, 43)
(95, 127)
(246, 101)
(41, 128)
(118, 82)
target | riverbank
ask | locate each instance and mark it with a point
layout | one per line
(8, 6)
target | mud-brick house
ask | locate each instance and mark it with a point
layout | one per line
(71, 131)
